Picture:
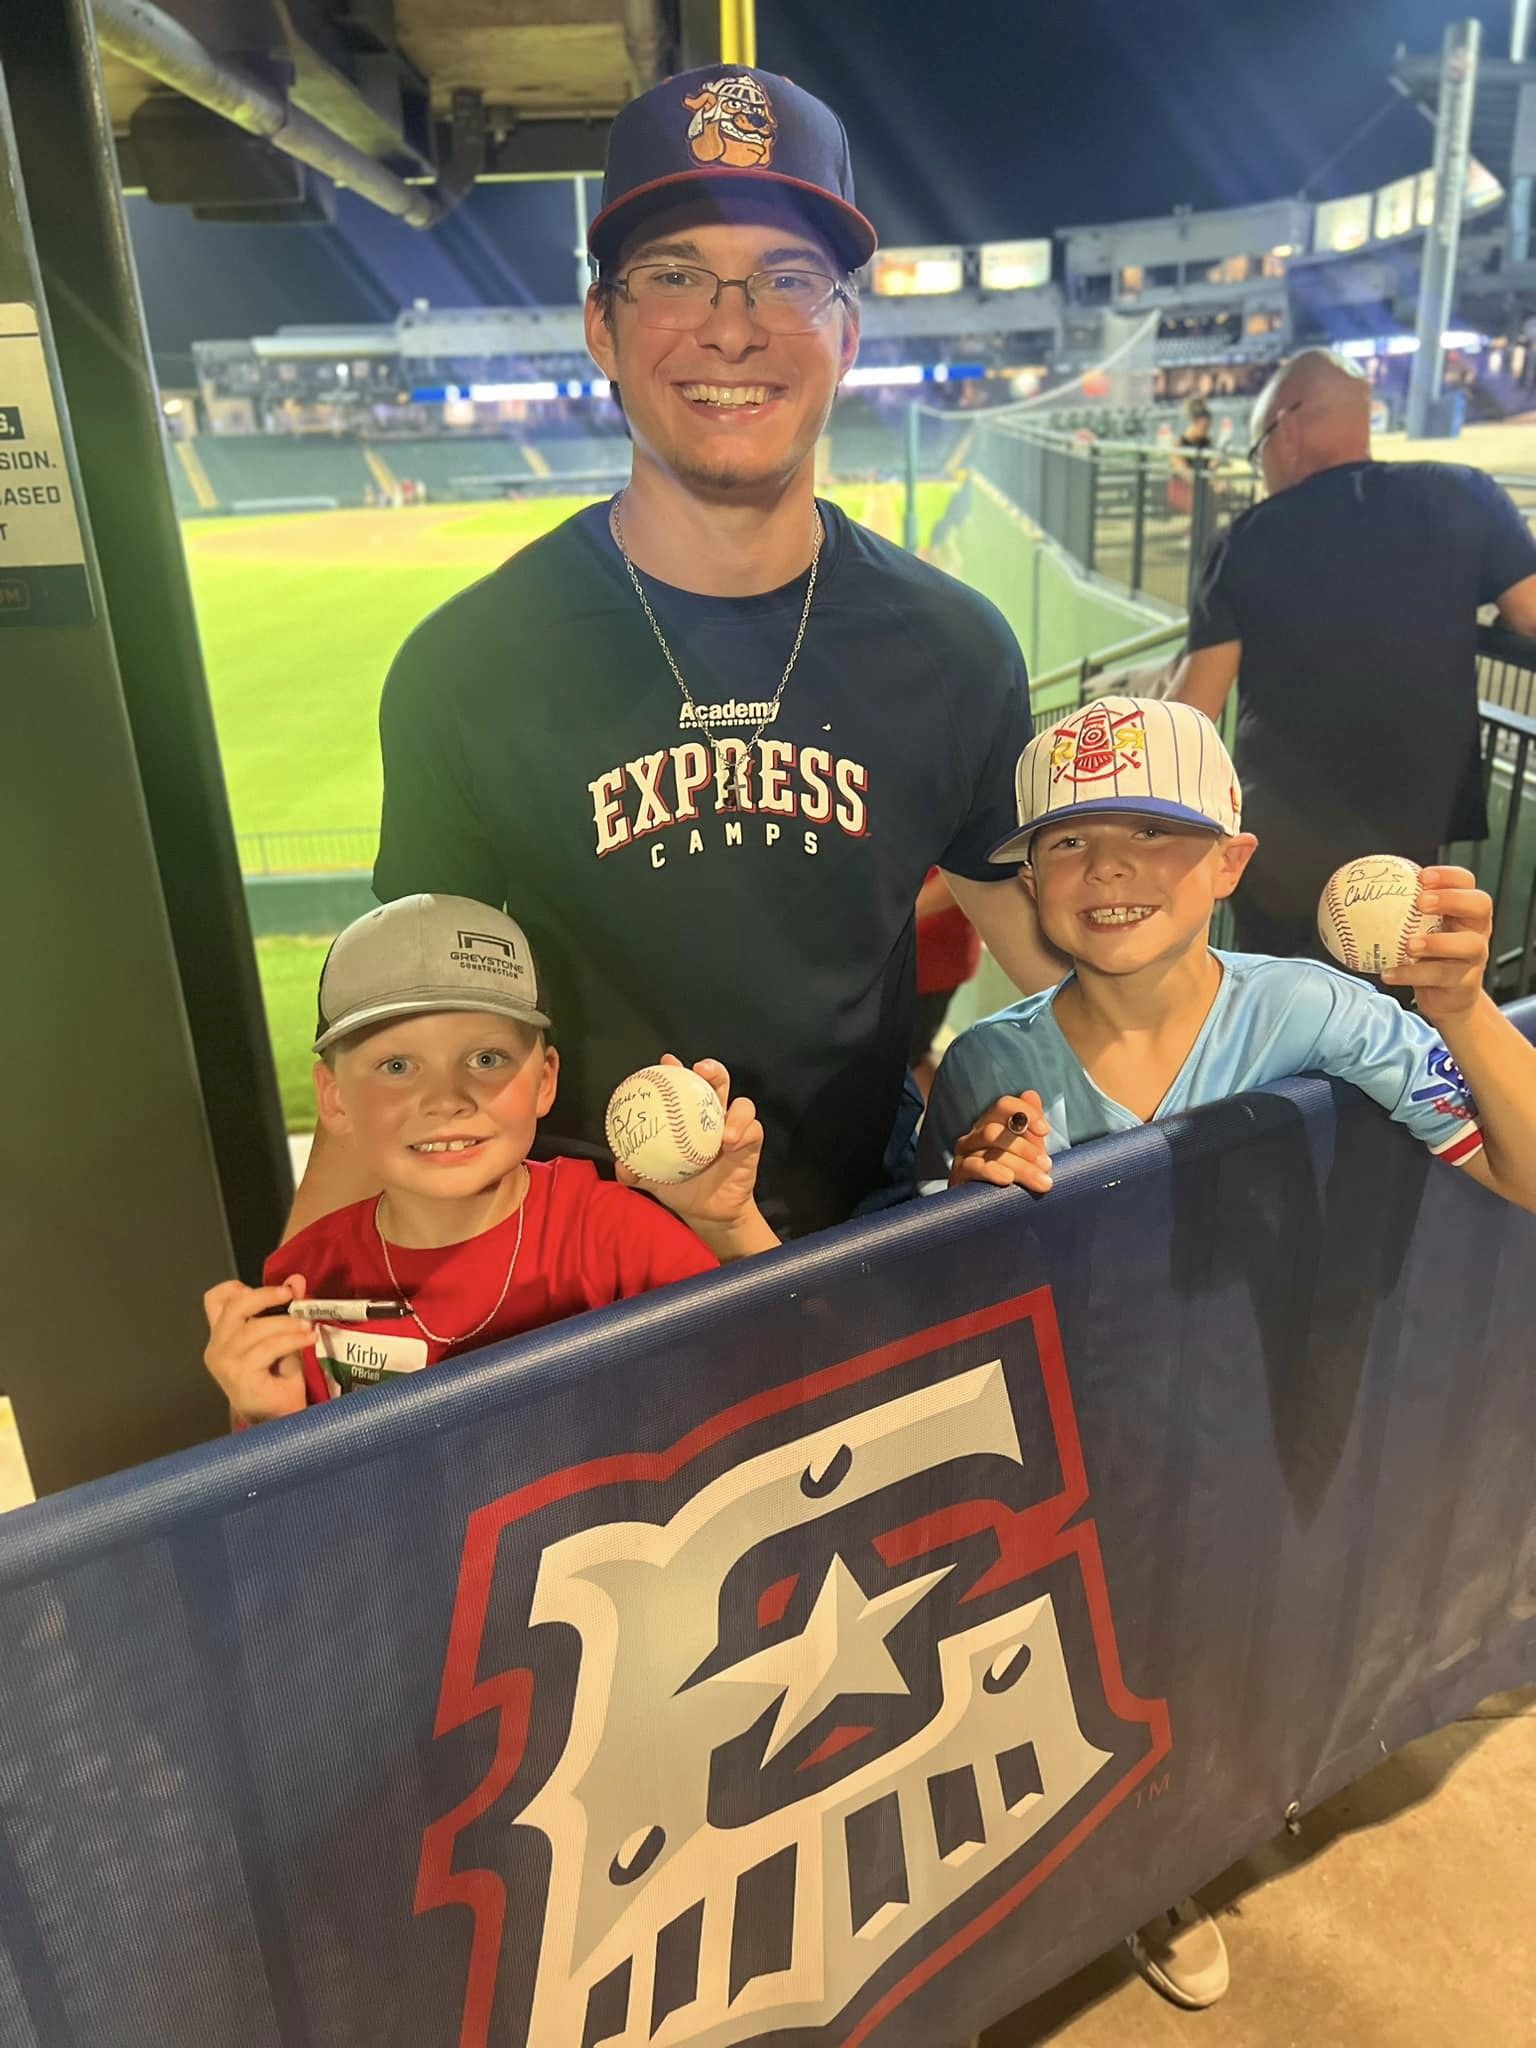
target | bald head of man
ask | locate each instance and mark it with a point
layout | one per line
(1313, 414)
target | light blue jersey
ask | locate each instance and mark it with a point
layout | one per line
(1271, 1019)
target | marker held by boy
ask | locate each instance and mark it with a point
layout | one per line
(1018, 1123)
(345, 1311)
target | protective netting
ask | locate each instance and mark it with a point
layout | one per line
(1118, 383)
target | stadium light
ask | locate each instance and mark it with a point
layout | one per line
(1466, 339)
(917, 273)
(912, 373)
(492, 394)
(1015, 266)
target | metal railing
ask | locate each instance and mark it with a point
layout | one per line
(1060, 690)
(335, 849)
(1506, 669)
(1506, 685)
(1142, 516)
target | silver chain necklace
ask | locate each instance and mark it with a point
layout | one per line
(730, 775)
(401, 1295)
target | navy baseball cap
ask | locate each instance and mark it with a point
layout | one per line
(729, 127)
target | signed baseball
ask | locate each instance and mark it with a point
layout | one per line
(1369, 911)
(665, 1123)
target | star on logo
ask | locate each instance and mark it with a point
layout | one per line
(840, 1650)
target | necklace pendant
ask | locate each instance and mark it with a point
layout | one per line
(730, 793)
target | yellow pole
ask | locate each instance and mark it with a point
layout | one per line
(738, 31)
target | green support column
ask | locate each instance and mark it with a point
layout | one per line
(64, 141)
(113, 1218)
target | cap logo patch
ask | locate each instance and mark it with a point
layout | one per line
(490, 940)
(1098, 745)
(486, 953)
(733, 123)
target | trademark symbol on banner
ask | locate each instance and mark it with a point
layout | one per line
(1154, 1789)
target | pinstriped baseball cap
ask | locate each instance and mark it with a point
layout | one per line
(1141, 756)
(425, 953)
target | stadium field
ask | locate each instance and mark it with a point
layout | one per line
(300, 615)
(290, 974)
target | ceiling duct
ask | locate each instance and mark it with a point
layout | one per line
(148, 38)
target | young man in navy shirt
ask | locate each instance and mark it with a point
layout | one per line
(705, 741)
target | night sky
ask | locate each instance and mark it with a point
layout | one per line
(971, 120)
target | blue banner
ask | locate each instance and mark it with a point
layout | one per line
(843, 1648)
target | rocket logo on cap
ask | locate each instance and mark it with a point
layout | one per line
(733, 123)
(1098, 745)
(1139, 757)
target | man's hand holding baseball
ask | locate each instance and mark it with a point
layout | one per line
(719, 1204)
(1005, 1147)
(256, 1358)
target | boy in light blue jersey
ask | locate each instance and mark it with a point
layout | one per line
(1130, 828)
(1130, 821)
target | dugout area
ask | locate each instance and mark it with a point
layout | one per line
(146, 1146)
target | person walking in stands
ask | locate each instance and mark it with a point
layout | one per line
(1196, 436)
(712, 735)
(1347, 601)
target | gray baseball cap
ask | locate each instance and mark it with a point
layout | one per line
(425, 953)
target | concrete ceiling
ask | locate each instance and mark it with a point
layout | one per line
(538, 81)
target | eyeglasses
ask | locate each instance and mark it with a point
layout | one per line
(1258, 447)
(680, 296)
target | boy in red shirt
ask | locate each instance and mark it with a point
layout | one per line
(433, 1060)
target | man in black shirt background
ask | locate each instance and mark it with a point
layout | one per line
(706, 741)
(1347, 598)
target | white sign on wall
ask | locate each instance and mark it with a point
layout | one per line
(42, 558)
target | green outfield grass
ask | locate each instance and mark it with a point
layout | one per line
(301, 615)
(290, 974)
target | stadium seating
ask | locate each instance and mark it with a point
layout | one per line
(183, 497)
(586, 455)
(275, 472)
(250, 472)
(866, 442)
(457, 467)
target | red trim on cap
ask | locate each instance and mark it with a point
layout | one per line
(717, 174)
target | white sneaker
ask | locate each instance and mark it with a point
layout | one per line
(1182, 1955)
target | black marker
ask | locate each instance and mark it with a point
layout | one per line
(342, 1311)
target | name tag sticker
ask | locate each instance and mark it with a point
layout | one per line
(361, 1358)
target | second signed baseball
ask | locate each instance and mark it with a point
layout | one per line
(1369, 911)
(665, 1124)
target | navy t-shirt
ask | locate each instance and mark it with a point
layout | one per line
(1355, 595)
(538, 753)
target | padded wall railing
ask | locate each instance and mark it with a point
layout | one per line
(843, 1648)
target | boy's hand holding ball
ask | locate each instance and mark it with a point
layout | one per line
(1426, 929)
(676, 1133)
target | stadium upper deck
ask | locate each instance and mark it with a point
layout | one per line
(1233, 290)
